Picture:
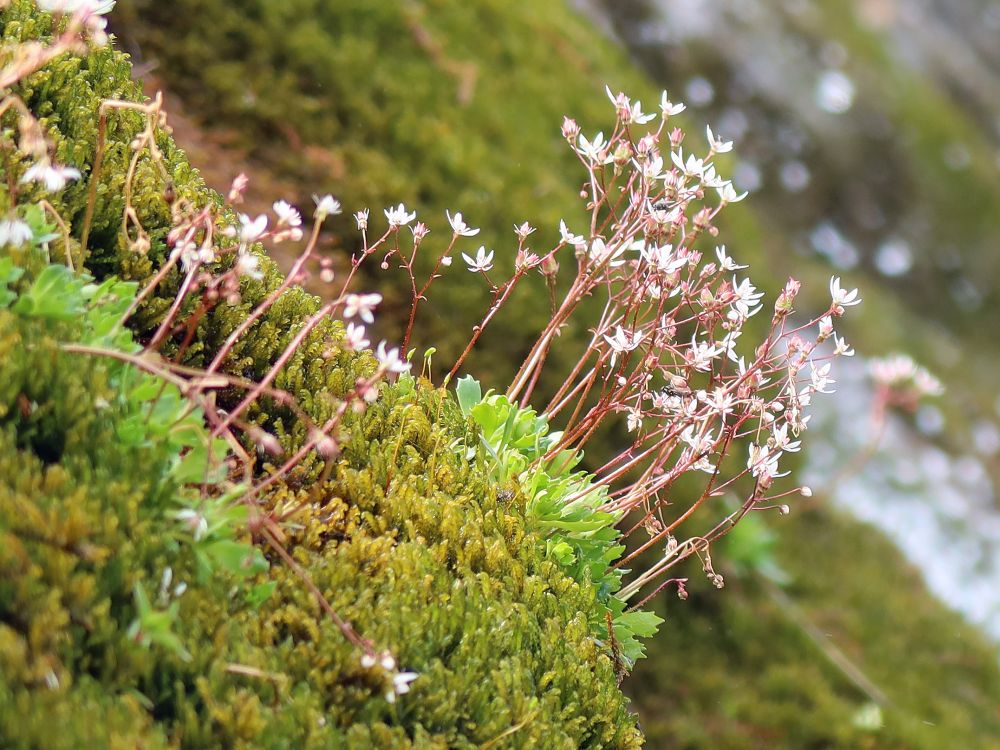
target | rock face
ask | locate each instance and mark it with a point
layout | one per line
(404, 536)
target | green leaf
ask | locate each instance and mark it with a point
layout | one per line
(9, 274)
(260, 593)
(236, 558)
(54, 295)
(469, 393)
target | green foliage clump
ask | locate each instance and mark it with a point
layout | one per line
(563, 505)
(94, 456)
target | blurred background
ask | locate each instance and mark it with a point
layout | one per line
(868, 135)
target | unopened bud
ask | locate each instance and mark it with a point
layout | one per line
(570, 129)
(806, 491)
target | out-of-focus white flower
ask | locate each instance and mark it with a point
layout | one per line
(248, 264)
(99, 7)
(14, 232)
(287, 214)
(354, 337)
(899, 371)
(459, 226)
(51, 175)
(482, 262)
(326, 205)
(195, 522)
(389, 359)
(398, 217)
(362, 305)
(252, 229)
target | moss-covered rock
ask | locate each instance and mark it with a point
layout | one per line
(405, 537)
(729, 668)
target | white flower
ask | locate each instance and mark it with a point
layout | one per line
(362, 305)
(389, 359)
(287, 214)
(14, 232)
(482, 262)
(195, 522)
(668, 108)
(459, 226)
(718, 145)
(746, 295)
(568, 237)
(781, 441)
(362, 218)
(248, 264)
(841, 347)
(763, 463)
(693, 167)
(727, 193)
(398, 217)
(326, 206)
(825, 326)
(900, 371)
(595, 150)
(401, 681)
(354, 337)
(634, 420)
(52, 176)
(661, 257)
(601, 253)
(720, 401)
(820, 378)
(98, 7)
(252, 229)
(841, 297)
(726, 263)
(700, 356)
(523, 231)
(623, 341)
